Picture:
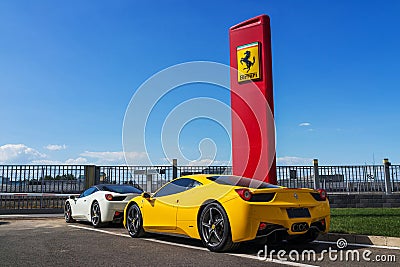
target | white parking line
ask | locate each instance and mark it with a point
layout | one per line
(98, 230)
(198, 248)
(358, 245)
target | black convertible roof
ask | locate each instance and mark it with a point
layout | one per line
(105, 187)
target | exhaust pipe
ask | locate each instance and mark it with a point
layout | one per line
(300, 227)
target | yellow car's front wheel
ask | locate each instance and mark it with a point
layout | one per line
(134, 221)
(215, 231)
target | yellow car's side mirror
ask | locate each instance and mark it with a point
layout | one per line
(146, 195)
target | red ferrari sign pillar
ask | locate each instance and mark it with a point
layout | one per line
(253, 128)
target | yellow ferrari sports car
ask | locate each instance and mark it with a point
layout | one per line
(224, 210)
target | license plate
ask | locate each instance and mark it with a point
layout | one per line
(298, 213)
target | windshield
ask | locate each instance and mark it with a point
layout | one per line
(122, 189)
(240, 181)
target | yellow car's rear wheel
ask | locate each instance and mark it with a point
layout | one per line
(215, 231)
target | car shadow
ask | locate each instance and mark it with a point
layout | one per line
(249, 247)
(178, 239)
(252, 247)
(106, 226)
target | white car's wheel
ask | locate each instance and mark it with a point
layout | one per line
(68, 213)
(95, 215)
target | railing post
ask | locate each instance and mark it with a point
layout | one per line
(316, 174)
(90, 176)
(174, 169)
(149, 182)
(97, 175)
(388, 187)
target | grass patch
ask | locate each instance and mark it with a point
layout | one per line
(366, 221)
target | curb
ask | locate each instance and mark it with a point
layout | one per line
(29, 216)
(367, 240)
(19, 212)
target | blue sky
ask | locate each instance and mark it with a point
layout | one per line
(69, 69)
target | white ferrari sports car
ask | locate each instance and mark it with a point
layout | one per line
(100, 204)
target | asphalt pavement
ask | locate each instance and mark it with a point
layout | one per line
(52, 242)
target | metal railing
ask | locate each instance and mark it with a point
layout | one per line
(42, 178)
(394, 173)
(29, 201)
(137, 175)
(295, 176)
(151, 178)
(73, 179)
(345, 179)
(352, 178)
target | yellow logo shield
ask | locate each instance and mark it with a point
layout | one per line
(248, 61)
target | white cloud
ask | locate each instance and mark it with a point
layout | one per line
(22, 154)
(18, 154)
(304, 124)
(46, 162)
(114, 158)
(199, 162)
(207, 162)
(55, 147)
(77, 161)
(284, 161)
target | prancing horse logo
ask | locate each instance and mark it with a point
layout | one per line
(246, 60)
